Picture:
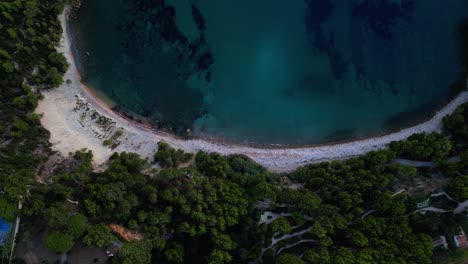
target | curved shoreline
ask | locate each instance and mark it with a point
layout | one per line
(72, 114)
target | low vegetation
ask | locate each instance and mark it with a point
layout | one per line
(168, 157)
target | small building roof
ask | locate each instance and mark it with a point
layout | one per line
(114, 248)
(440, 241)
(460, 241)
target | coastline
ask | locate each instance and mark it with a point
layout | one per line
(72, 114)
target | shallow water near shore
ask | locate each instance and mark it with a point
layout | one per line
(272, 72)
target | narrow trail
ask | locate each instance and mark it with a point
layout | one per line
(432, 209)
(414, 163)
(444, 194)
(275, 241)
(367, 213)
(461, 207)
(423, 164)
(295, 244)
(269, 217)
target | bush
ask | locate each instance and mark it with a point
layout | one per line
(243, 164)
(456, 123)
(98, 236)
(77, 225)
(434, 147)
(56, 216)
(168, 157)
(59, 242)
(135, 252)
(289, 259)
(458, 187)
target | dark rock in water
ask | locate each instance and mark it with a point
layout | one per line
(408, 118)
(395, 91)
(381, 16)
(198, 17)
(205, 61)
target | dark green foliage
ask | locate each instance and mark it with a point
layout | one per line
(435, 224)
(344, 184)
(58, 61)
(187, 217)
(337, 231)
(114, 193)
(289, 259)
(14, 185)
(134, 252)
(28, 36)
(57, 216)
(29, 33)
(168, 157)
(464, 158)
(212, 165)
(58, 241)
(8, 210)
(303, 200)
(281, 225)
(403, 172)
(317, 256)
(132, 224)
(175, 254)
(179, 203)
(129, 162)
(77, 225)
(431, 147)
(245, 165)
(98, 235)
(5, 248)
(458, 187)
(457, 123)
(413, 247)
(219, 257)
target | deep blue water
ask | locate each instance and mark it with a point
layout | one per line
(272, 71)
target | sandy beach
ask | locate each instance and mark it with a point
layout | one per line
(77, 119)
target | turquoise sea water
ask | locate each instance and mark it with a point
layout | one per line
(272, 71)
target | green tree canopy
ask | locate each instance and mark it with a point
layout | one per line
(134, 252)
(434, 146)
(457, 187)
(98, 235)
(288, 259)
(167, 157)
(56, 216)
(77, 225)
(58, 241)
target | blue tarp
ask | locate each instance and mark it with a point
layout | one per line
(4, 230)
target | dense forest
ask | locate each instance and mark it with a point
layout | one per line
(207, 208)
(29, 33)
(216, 209)
(29, 63)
